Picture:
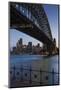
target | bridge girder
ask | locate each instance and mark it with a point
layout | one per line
(36, 12)
(16, 19)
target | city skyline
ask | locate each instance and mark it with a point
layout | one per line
(51, 11)
(20, 48)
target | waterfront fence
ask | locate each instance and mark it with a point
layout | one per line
(23, 74)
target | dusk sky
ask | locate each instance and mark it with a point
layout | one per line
(52, 14)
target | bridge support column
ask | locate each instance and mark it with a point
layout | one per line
(48, 49)
(51, 49)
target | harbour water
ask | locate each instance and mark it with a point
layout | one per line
(37, 62)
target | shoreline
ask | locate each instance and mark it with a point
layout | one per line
(35, 54)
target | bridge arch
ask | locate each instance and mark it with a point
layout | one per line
(32, 20)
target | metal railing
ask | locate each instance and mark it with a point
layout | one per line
(30, 75)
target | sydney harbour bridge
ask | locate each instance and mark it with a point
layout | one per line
(32, 20)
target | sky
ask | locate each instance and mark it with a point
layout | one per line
(52, 14)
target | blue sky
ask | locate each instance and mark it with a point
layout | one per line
(52, 14)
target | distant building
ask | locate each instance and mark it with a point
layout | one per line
(38, 45)
(14, 50)
(54, 47)
(29, 47)
(44, 47)
(24, 49)
(19, 46)
(20, 41)
(36, 49)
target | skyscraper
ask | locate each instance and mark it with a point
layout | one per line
(29, 47)
(20, 46)
(20, 41)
